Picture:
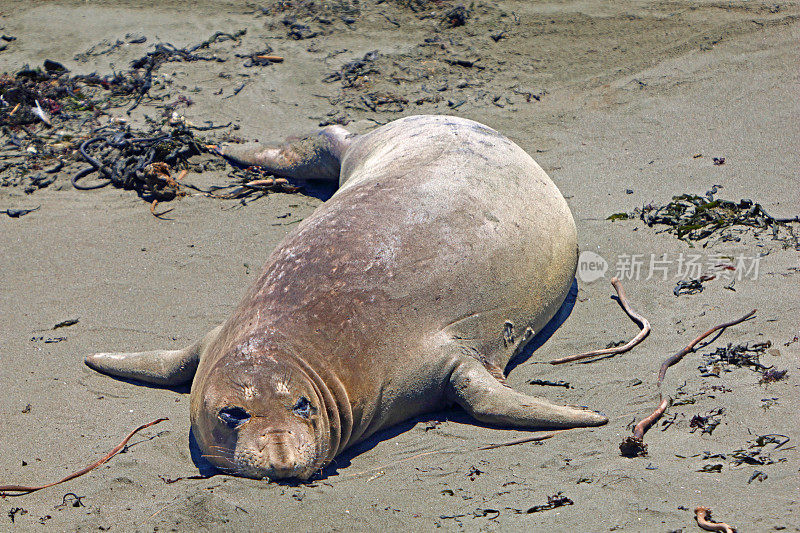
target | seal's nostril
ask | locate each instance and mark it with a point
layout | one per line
(233, 416)
(304, 408)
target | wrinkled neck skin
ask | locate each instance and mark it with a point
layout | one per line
(335, 432)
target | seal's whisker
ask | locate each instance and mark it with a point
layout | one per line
(223, 453)
(226, 470)
(220, 457)
(215, 457)
(238, 383)
(228, 456)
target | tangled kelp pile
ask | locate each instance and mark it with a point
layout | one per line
(54, 122)
(51, 121)
(142, 163)
(441, 66)
(694, 218)
(740, 356)
(54, 97)
(306, 19)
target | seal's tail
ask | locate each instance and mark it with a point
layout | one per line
(317, 156)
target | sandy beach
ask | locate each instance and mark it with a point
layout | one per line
(624, 105)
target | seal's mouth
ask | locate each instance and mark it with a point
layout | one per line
(277, 454)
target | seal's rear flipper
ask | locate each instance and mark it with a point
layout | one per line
(315, 157)
(160, 367)
(487, 400)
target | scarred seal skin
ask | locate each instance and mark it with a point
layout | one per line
(442, 253)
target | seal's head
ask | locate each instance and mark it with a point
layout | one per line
(260, 419)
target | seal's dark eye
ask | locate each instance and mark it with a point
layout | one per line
(304, 408)
(233, 416)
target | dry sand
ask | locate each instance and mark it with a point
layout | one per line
(622, 97)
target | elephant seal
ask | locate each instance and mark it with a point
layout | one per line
(444, 249)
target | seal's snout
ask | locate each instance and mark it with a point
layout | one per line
(281, 456)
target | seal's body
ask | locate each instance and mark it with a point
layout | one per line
(444, 250)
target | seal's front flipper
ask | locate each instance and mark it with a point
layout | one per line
(160, 367)
(315, 157)
(487, 400)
